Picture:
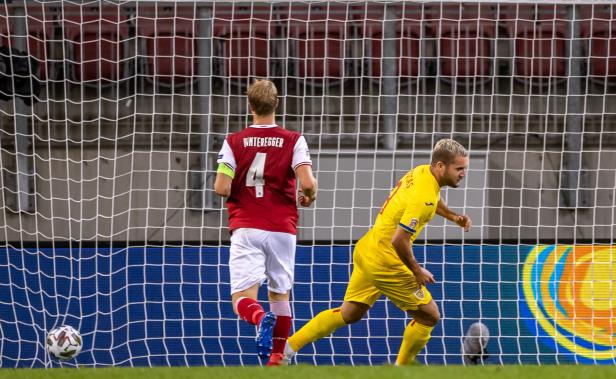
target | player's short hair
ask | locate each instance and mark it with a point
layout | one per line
(262, 97)
(446, 150)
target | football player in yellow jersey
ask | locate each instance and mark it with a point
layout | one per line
(383, 259)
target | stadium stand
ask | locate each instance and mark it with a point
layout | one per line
(40, 30)
(599, 29)
(318, 34)
(169, 34)
(409, 32)
(244, 40)
(466, 35)
(4, 28)
(539, 34)
(96, 36)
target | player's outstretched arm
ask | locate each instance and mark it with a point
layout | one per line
(222, 185)
(307, 185)
(464, 221)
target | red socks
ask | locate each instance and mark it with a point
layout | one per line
(281, 333)
(282, 310)
(250, 310)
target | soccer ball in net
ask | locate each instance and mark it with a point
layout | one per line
(474, 344)
(64, 342)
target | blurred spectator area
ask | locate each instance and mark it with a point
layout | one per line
(480, 67)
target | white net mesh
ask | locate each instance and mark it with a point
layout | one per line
(112, 114)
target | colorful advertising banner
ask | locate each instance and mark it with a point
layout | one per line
(570, 292)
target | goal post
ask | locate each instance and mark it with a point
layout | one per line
(108, 144)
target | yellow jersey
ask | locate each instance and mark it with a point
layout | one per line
(410, 205)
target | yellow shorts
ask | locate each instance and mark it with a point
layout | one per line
(398, 284)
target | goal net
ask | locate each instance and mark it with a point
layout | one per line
(112, 113)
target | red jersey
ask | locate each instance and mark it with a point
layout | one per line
(264, 158)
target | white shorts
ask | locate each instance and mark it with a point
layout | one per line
(257, 255)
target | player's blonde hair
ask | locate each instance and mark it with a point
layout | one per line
(262, 97)
(446, 150)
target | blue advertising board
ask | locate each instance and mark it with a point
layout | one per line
(171, 305)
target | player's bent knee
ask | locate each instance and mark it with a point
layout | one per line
(432, 318)
(435, 318)
(427, 314)
(352, 318)
(353, 312)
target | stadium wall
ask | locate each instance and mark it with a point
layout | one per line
(144, 195)
(117, 160)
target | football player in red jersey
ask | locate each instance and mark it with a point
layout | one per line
(257, 170)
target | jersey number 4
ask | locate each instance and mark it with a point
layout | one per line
(254, 178)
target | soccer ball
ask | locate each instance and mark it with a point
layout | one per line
(474, 344)
(64, 342)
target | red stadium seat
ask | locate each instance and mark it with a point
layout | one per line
(409, 31)
(318, 33)
(4, 41)
(242, 34)
(39, 29)
(539, 34)
(466, 32)
(96, 37)
(40, 25)
(4, 27)
(170, 44)
(599, 28)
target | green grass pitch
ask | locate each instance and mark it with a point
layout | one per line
(322, 372)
